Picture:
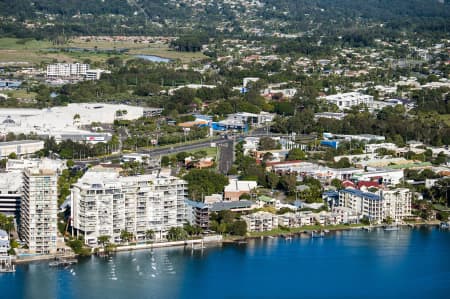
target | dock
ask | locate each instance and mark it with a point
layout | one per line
(62, 262)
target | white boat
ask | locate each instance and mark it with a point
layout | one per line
(445, 225)
(391, 228)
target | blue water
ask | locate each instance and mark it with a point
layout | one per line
(351, 264)
(153, 58)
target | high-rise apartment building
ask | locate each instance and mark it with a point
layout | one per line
(105, 204)
(59, 70)
(38, 210)
(395, 203)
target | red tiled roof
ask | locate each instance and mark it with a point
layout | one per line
(368, 184)
(347, 184)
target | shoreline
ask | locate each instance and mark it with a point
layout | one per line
(307, 229)
(219, 240)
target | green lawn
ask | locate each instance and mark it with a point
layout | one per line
(445, 118)
(8, 43)
(35, 52)
(21, 93)
(280, 231)
(210, 152)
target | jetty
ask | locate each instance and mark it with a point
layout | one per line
(62, 262)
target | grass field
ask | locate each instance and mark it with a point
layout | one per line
(22, 94)
(445, 118)
(28, 51)
(210, 152)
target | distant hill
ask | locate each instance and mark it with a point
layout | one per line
(39, 18)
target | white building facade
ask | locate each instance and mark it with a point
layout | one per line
(59, 70)
(20, 147)
(347, 100)
(394, 204)
(261, 221)
(105, 204)
(39, 210)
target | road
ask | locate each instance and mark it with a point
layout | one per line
(226, 156)
(194, 146)
(183, 147)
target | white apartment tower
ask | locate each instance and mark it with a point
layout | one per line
(105, 204)
(59, 70)
(38, 222)
(395, 203)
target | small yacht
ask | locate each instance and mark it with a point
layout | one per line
(391, 228)
(444, 225)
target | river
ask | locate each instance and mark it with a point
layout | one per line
(411, 263)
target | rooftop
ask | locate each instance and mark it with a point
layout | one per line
(7, 143)
(362, 194)
(3, 233)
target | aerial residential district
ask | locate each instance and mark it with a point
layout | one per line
(138, 137)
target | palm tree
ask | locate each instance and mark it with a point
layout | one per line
(103, 240)
(126, 236)
(149, 234)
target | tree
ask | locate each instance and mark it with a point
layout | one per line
(70, 163)
(336, 183)
(202, 182)
(181, 156)
(343, 163)
(239, 228)
(149, 234)
(272, 180)
(103, 240)
(176, 234)
(267, 143)
(165, 160)
(126, 236)
(288, 183)
(388, 220)
(296, 154)
(12, 156)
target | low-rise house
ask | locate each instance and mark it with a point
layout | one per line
(261, 221)
(198, 213)
(264, 200)
(236, 188)
(298, 219)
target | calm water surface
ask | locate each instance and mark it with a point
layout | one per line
(352, 264)
(153, 58)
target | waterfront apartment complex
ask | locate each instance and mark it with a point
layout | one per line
(38, 222)
(395, 204)
(106, 204)
(261, 221)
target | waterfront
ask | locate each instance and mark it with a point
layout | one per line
(153, 58)
(411, 263)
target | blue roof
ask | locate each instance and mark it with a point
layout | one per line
(362, 194)
(196, 204)
(221, 205)
(330, 193)
(228, 205)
